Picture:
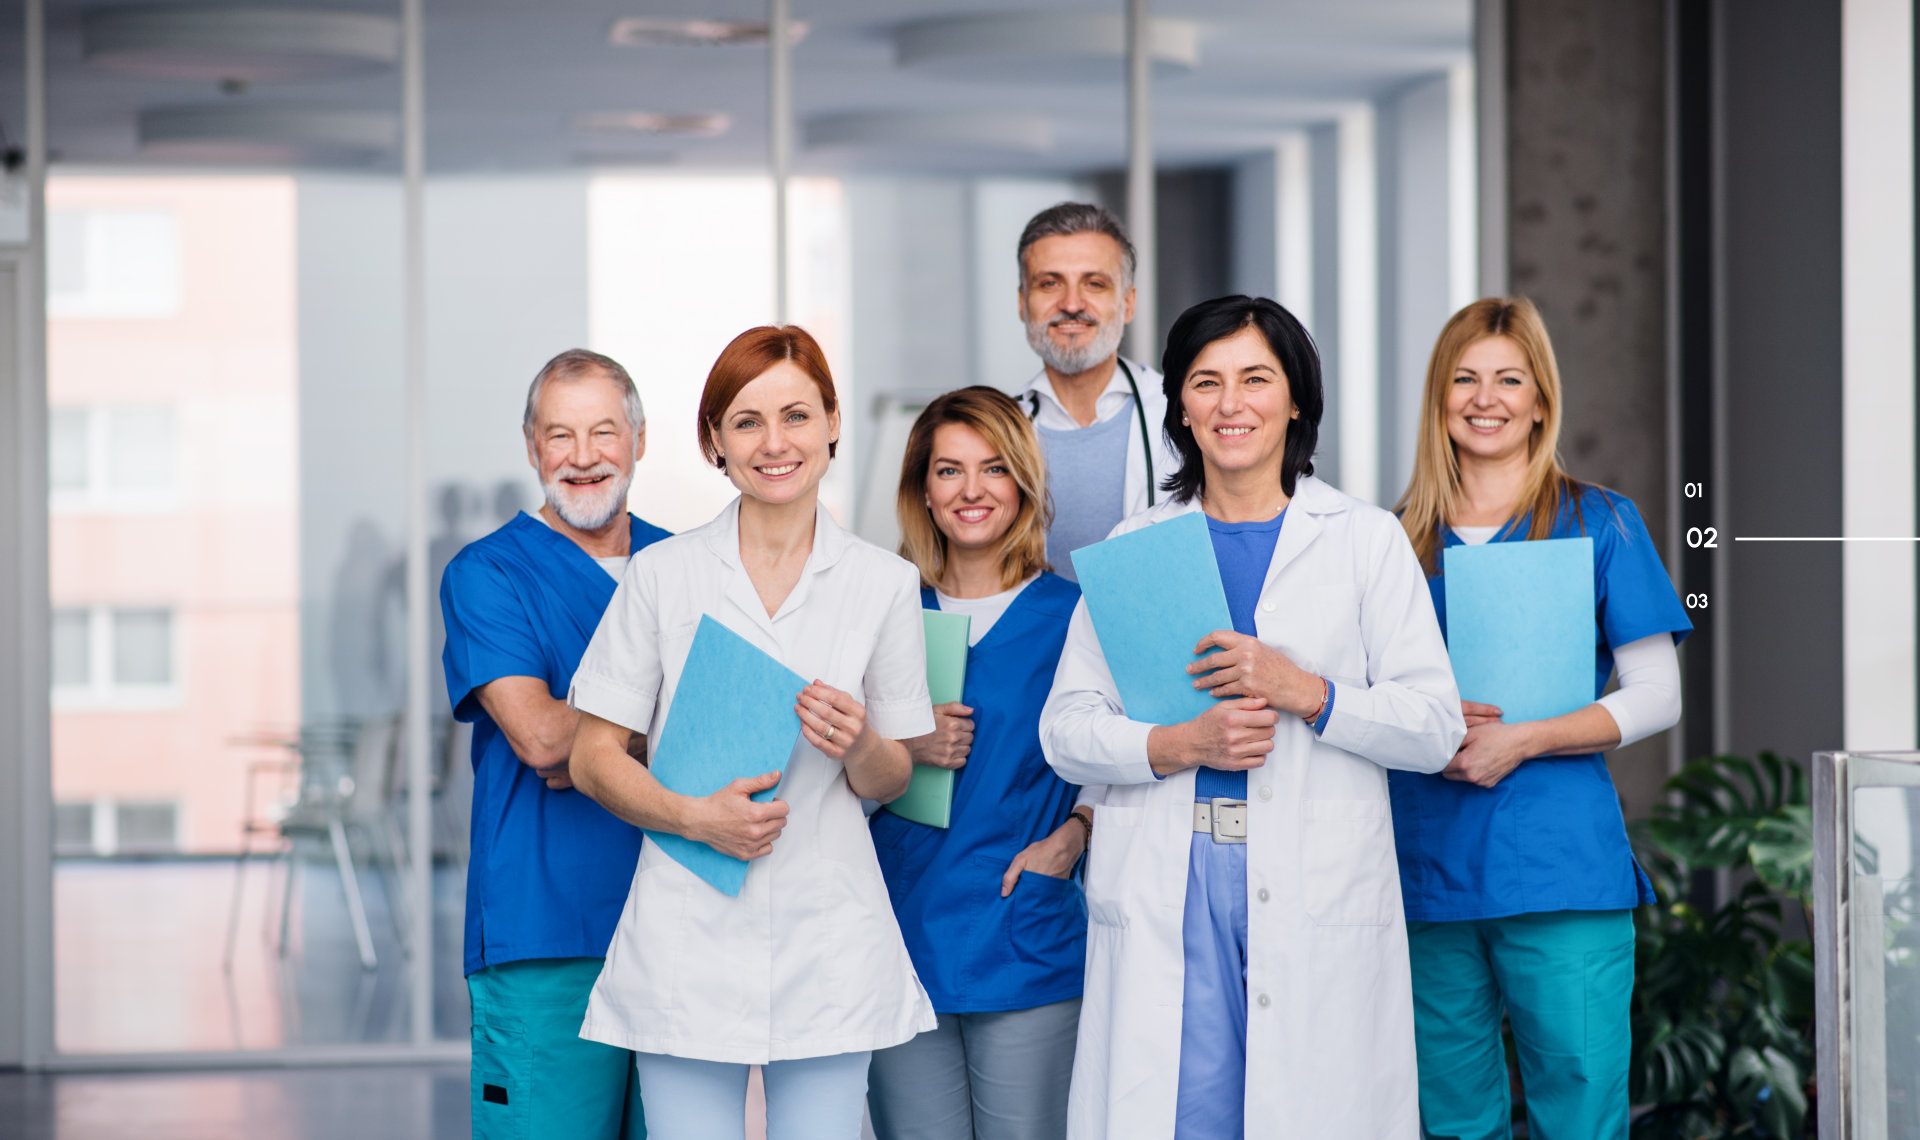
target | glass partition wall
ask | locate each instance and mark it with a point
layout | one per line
(1867, 944)
(226, 469)
(233, 454)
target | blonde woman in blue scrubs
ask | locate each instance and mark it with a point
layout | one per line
(996, 927)
(1514, 865)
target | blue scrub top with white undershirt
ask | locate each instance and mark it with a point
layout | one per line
(549, 870)
(976, 952)
(1550, 836)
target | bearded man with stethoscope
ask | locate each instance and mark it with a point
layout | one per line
(1097, 414)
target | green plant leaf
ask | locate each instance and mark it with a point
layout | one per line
(1677, 1059)
(1764, 1086)
(1781, 851)
(1719, 804)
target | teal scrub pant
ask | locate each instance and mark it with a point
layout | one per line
(1564, 980)
(534, 1077)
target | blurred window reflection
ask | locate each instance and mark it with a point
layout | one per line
(113, 263)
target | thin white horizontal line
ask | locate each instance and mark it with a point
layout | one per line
(1840, 538)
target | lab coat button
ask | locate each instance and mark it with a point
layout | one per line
(1266, 793)
(1267, 606)
(1265, 1001)
(1265, 894)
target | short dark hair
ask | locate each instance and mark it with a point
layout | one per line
(1063, 219)
(1219, 319)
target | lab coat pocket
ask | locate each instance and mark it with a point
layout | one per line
(1348, 861)
(1117, 843)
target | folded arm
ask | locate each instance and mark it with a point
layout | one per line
(537, 726)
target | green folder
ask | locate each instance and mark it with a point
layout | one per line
(929, 798)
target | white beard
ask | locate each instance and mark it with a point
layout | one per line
(1073, 361)
(584, 508)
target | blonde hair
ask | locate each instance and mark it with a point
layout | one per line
(1433, 493)
(992, 413)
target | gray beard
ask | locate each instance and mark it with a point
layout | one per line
(1073, 361)
(589, 516)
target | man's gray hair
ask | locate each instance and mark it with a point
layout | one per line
(1068, 218)
(577, 364)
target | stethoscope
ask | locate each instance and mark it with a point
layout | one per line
(1140, 410)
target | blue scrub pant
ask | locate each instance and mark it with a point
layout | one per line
(1213, 1002)
(1564, 979)
(979, 1076)
(818, 1098)
(533, 1076)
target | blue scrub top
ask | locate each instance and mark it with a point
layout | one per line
(976, 952)
(1550, 836)
(1243, 551)
(548, 872)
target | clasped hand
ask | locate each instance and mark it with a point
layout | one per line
(831, 720)
(733, 823)
(950, 742)
(1243, 666)
(1491, 750)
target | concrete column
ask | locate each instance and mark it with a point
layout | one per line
(1585, 119)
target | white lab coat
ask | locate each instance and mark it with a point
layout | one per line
(1115, 397)
(808, 961)
(1330, 1007)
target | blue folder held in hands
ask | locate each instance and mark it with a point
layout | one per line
(1153, 594)
(732, 716)
(1520, 625)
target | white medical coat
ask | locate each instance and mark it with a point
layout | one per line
(1330, 1007)
(807, 961)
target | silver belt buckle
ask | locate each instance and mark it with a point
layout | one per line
(1229, 820)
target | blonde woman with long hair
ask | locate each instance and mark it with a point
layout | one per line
(1514, 865)
(996, 929)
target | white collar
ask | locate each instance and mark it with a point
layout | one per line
(1043, 383)
(1310, 494)
(830, 541)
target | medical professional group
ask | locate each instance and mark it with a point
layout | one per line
(1305, 912)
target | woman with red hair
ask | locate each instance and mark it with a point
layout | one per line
(804, 972)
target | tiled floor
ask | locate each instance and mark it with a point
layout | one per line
(138, 948)
(392, 1103)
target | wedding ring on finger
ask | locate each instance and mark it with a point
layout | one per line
(829, 735)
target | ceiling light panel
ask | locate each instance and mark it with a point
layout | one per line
(648, 31)
(252, 45)
(266, 133)
(654, 123)
(1045, 44)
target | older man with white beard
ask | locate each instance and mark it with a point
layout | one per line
(1098, 415)
(550, 868)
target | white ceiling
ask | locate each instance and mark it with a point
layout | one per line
(506, 80)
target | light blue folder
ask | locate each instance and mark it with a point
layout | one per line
(1520, 625)
(1153, 594)
(732, 716)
